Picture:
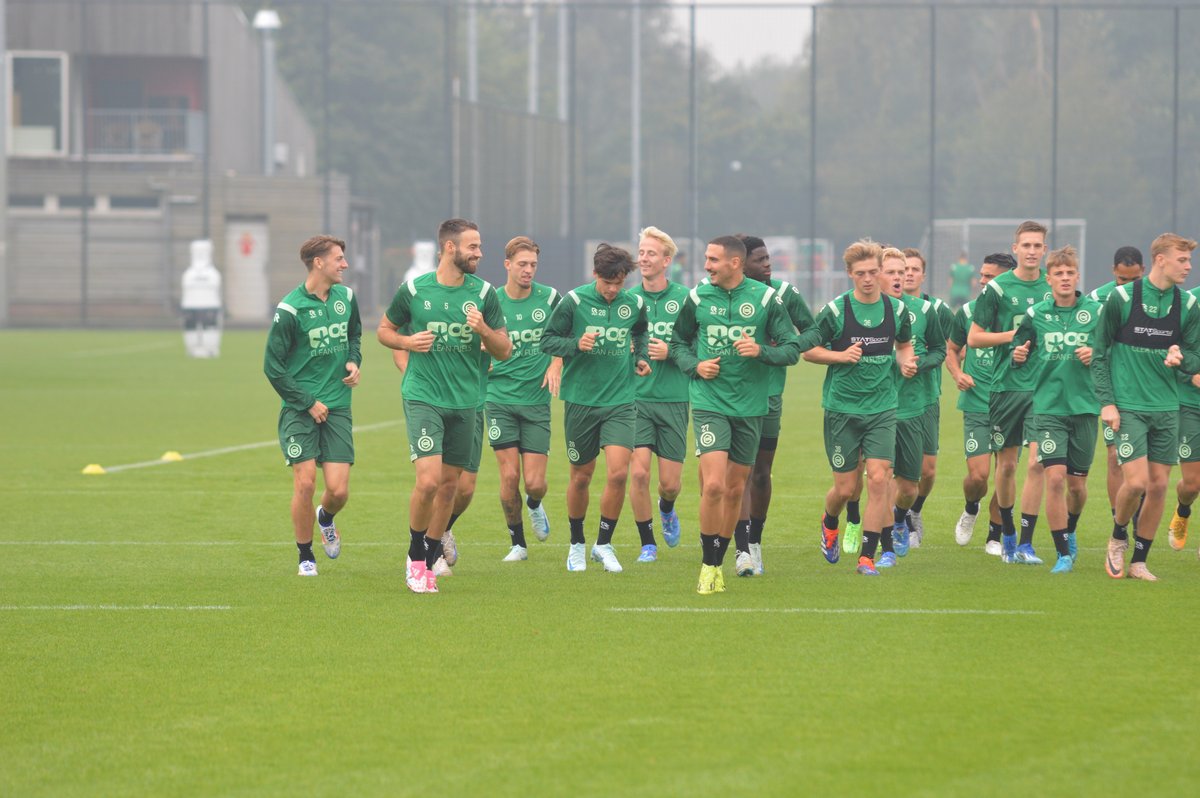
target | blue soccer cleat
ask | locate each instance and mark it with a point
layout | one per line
(887, 559)
(1064, 565)
(829, 544)
(1072, 546)
(1008, 547)
(900, 533)
(649, 553)
(670, 528)
(866, 567)
(1026, 555)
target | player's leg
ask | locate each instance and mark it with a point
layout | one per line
(843, 447)
(756, 501)
(907, 470)
(931, 432)
(670, 484)
(713, 466)
(1188, 486)
(1055, 472)
(644, 439)
(1113, 470)
(508, 464)
(617, 428)
(581, 425)
(852, 538)
(1162, 446)
(334, 497)
(878, 510)
(304, 486)
(1051, 443)
(533, 469)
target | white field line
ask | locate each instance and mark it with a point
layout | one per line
(113, 608)
(824, 610)
(231, 449)
(126, 350)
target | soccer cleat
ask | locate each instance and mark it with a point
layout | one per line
(1008, 547)
(900, 538)
(718, 579)
(442, 568)
(516, 554)
(577, 557)
(829, 544)
(540, 522)
(1114, 560)
(331, 541)
(1178, 530)
(605, 554)
(670, 528)
(415, 578)
(743, 564)
(887, 560)
(1064, 565)
(1026, 555)
(649, 553)
(308, 568)
(1072, 546)
(917, 525)
(852, 539)
(449, 548)
(866, 567)
(756, 558)
(965, 528)
(431, 581)
(708, 577)
(1138, 570)
(993, 548)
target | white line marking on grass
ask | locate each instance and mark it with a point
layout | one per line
(231, 449)
(113, 607)
(125, 350)
(828, 610)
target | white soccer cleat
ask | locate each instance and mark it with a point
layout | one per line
(743, 565)
(605, 554)
(449, 548)
(516, 554)
(756, 558)
(442, 568)
(540, 522)
(577, 557)
(965, 528)
(916, 528)
(308, 568)
(993, 548)
(331, 541)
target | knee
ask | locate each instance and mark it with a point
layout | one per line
(1157, 485)
(760, 480)
(618, 479)
(425, 488)
(669, 490)
(580, 481)
(305, 486)
(640, 476)
(339, 494)
(534, 487)
(876, 483)
(1055, 480)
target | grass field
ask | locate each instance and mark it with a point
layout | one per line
(157, 641)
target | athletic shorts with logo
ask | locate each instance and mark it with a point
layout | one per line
(590, 429)
(1153, 434)
(302, 438)
(1009, 412)
(915, 438)
(772, 423)
(977, 434)
(1110, 437)
(717, 432)
(1065, 439)
(1189, 435)
(848, 436)
(526, 427)
(662, 428)
(448, 432)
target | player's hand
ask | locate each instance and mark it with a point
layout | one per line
(964, 381)
(709, 369)
(587, 342)
(1021, 353)
(351, 379)
(853, 353)
(908, 369)
(658, 349)
(319, 412)
(1174, 357)
(553, 377)
(1196, 380)
(1110, 416)
(642, 369)
(475, 321)
(1084, 353)
(747, 346)
(419, 342)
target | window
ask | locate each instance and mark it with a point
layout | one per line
(38, 112)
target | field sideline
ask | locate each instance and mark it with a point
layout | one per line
(157, 641)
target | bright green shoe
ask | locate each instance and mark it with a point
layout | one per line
(719, 580)
(708, 577)
(852, 539)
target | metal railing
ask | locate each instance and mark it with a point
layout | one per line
(145, 132)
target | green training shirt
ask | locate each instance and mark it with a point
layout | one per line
(802, 320)
(666, 382)
(979, 363)
(868, 386)
(1134, 377)
(604, 376)
(1064, 386)
(945, 316)
(309, 344)
(448, 374)
(518, 380)
(1000, 307)
(961, 275)
(921, 390)
(1189, 394)
(711, 321)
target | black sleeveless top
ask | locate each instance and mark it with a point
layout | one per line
(1146, 332)
(879, 340)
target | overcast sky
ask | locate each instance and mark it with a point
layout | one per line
(744, 35)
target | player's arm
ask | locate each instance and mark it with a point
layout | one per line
(814, 342)
(397, 316)
(1024, 341)
(1190, 335)
(280, 340)
(906, 356)
(1106, 332)
(353, 344)
(558, 340)
(987, 310)
(798, 310)
(641, 337)
(489, 324)
(935, 345)
(785, 350)
(682, 348)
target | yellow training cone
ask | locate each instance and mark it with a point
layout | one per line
(94, 468)
(172, 457)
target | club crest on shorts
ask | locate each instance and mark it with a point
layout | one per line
(1125, 450)
(494, 432)
(425, 443)
(1049, 446)
(972, 444)
(294, 450)
(1185, 450)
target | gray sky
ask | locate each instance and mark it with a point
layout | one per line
(744, 35)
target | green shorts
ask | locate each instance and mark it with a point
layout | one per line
(1150, 434)
(716, 432)
(590, 429)
(915, 438)
(1110, 437)
(662, 428)
(772, 423)
(1189, 435)
(1008, 411)
(447, 432)
(847, 437)
(476, 444)
(977, 435)
(301, 438)
(526, 427)
(1065, 440)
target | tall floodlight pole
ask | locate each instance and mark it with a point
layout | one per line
(3, 171)
(531, 110)
(266, 22)
(635, 124)
(564, 109)
(473, 103)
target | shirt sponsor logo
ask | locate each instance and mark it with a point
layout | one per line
(1057, 341)
(321, 337)
(525, 336)
(721, 336)
(1153, 332)
(662, 329)
(617, 335)
(452, 332)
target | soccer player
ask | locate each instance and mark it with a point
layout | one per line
(518, 395)
(1188, 486)
(728, 334)
(914, 280)
(1056, 337)
(917, 410)
(661, 398)
(998, 311)
(962, 280)
(599, 330)
(454, 312)
(1127, 267)
(747, 537)
(1149, 327)
(972, 369)
(312, 360)
(867, 334)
